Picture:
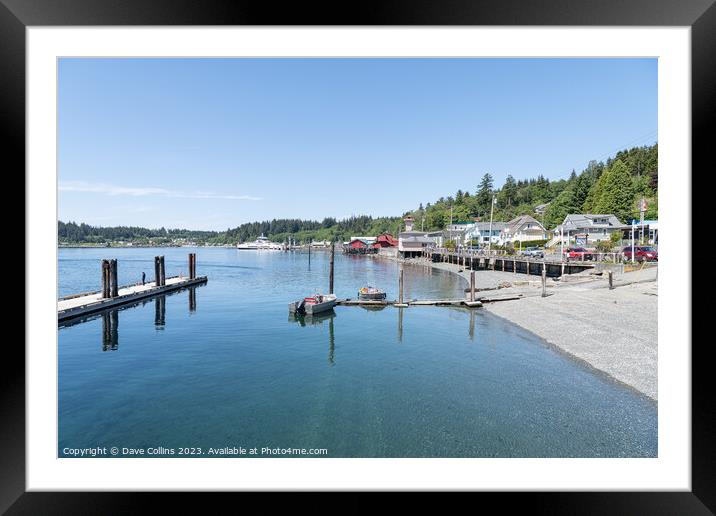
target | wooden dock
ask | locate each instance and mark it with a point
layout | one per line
(415, 302)
(79, 305)
(516, 264)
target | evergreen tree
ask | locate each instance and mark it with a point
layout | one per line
(508, 192)
(615, 194)
(484, 193)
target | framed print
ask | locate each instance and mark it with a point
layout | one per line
(415, 250)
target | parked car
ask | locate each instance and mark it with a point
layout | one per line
(577, 253)
(533, 252)
(641, 253)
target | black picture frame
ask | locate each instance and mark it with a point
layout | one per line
(16, 15)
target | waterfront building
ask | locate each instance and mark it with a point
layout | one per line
(587, 228)
(414, 243)
(483, 233)
(359, 246)
(456, 232)
(370, 240)
(647, 233)
(524, 228)
(385, 240)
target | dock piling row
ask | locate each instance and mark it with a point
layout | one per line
(159, 271)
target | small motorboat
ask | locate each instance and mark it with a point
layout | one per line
(313, 305)
(371, 294)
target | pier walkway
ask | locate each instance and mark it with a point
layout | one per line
(517, 264)
(82, 304)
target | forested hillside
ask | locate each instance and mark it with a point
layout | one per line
(614, 186)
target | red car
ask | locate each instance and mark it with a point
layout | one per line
(577, 253)
(641, 253)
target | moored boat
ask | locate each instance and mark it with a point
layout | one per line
(371, 294)
(313, 304)
(261, 243)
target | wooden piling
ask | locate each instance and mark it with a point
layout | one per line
(157, 272)
(309, 254)
(162, 272)
(400, 287)
(192, 265)
(611, 280)
(105, 279)
(330, 269)
(113, 285)
(472, 286)
(544, 279)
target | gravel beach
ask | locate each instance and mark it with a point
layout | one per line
(614, 331)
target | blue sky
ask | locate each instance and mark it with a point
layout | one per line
(213, 143)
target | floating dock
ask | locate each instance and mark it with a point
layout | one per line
(423, 302)
(83, 304)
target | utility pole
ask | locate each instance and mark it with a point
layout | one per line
(489, 241)
(632, 241)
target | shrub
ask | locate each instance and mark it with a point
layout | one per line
(604, 246)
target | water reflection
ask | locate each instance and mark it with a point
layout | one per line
(400, 324)
(331, 342)
(373, 308)
(471, 332)
(304, 320)
(192, 299)
(110, 317)
(160, 311)
(110, 330)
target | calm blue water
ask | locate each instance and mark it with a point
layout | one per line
(223, 365)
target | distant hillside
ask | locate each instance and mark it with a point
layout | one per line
(612, 187)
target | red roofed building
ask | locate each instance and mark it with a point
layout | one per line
(385, 240)
(357, 244)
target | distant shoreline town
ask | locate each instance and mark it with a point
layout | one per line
(600, 204)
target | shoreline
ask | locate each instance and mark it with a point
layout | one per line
(611, 331)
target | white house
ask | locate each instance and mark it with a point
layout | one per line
(524, 229)
(587, 228)
(485, 232)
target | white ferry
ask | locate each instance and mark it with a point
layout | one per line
(261, 243)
